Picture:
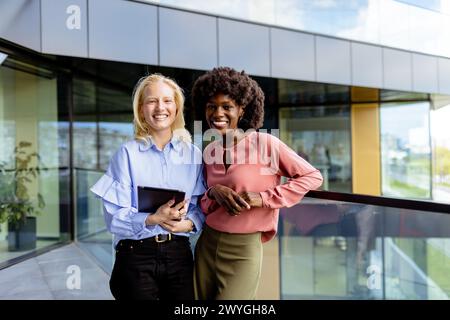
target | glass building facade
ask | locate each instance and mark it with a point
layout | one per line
(378, 229)
(394, 23)
(31, 115)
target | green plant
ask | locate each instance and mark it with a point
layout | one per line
(16, 204)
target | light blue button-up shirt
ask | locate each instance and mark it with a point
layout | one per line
(178, 166)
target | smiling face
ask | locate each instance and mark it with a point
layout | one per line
(222, 113)
(159, 108)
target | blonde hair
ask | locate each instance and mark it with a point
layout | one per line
(142, 131)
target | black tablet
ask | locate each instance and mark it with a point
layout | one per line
(150, 199)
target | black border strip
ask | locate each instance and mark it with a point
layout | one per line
(382, 201)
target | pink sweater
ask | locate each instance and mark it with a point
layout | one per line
(259, 162)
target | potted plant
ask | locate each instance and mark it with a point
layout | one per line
(17, 206)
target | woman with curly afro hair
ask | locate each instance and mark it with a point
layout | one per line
(243, 171)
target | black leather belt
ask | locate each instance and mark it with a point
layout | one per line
(160, 238)
(164, 237)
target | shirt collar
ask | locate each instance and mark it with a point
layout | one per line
(175, 143)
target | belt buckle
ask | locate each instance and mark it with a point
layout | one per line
(163, 240)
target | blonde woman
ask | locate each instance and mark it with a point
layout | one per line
(153, 256)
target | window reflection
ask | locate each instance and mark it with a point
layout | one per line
(85, 143)
(321, 135)
(436, 5)
(7, 137)
(253, 10)
(347, 19)
(405, 150)
(423, 23)
(394, 24)
(418, 25)
(391, 95)
(441, 152)
(29, 118)
(356, 251)
(298, 92)
(112, 135)
(103, 121)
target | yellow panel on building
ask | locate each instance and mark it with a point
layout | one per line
(366, 166)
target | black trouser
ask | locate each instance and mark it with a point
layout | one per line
(146, 269)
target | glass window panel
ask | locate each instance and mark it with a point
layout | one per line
(85, 149)
(7, 143)
(405, 24)
(443, 34)
(114, 130)
(253, 10)
(115, 121)
(348, 19)
(303, 93)
(84, 126)
(391, 95)
(441, 153)
(357, 251)
(394, 24)
(29, 120)
(63, 143)
(423, 26)
(427, 4)
(102, 122)
(405, 150)
(321, 135)
(445, 6)
(84, 96)
(110, 100)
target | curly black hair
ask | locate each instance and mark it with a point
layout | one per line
(238, 86)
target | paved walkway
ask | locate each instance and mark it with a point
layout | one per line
(51, 275)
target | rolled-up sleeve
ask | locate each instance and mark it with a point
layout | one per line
(195, 213)
(208, 205)
(196, 216)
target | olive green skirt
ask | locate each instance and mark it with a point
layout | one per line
(227, 265)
